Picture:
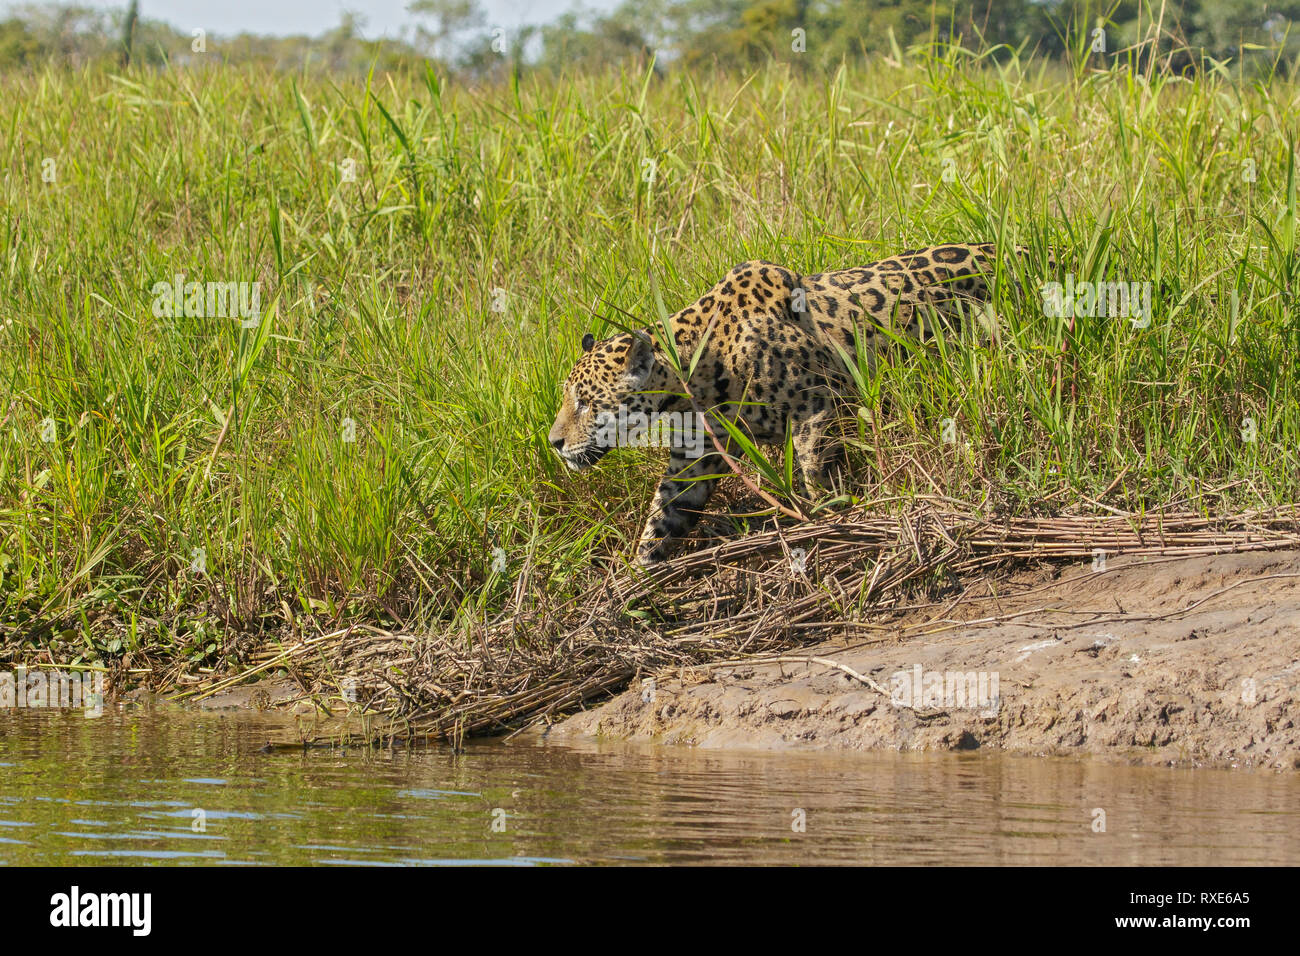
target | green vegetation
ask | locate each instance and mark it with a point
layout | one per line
(430, 254)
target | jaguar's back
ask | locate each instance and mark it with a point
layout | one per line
(895, 294)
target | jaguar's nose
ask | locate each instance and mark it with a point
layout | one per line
(557, 443)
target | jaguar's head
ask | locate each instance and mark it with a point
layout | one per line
(607, 380)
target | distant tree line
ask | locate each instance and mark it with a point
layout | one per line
(808, 34)
(821, 32)
(33, 35)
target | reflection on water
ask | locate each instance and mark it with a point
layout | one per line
(193, 788)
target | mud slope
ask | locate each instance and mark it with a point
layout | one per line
(1186, 661)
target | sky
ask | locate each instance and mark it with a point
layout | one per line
(382, 17)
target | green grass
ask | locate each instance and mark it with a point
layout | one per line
(180, 439)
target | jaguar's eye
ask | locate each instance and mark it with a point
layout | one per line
(580, 405)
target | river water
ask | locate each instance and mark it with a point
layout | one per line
(183, 787)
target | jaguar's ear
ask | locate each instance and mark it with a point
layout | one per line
(588, 342)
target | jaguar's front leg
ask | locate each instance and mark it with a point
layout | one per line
(680, 498)
(819, 450)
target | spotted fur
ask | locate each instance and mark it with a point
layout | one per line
(771, 361)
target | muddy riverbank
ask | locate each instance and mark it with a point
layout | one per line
(1182, 661)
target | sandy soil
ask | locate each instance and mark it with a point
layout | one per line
(1184, 661)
